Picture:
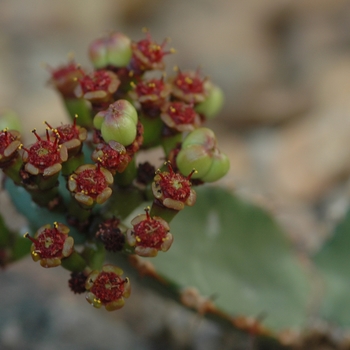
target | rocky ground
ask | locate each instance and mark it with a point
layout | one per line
(285, 70)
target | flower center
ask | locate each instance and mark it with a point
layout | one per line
(189, 84)
(181, 113)
(108, 287)
(99, 80)
(91, 182)
(49, 243)
(175, 186)
(150, 233)
(44, 154)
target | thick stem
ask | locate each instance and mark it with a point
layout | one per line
(76, 212)
(170, 142)
(158, 209)
(123, 202)
(13, 170)
(80, 107)
(127, 177)
(74, 263)
(72, 164)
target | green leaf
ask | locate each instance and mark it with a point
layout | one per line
(333, 262)
(236, 253)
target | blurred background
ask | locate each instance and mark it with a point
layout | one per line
(284, 66)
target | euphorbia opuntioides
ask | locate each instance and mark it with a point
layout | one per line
(86, 174)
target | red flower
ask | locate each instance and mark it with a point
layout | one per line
(65, 78)
(70, 135)
(173, 190)
(149, 235)
(112, 156)
(9, 144)
(50, 245)
(180, 116)
(150, 94)
(190, 87)
(107, 288)
(148, 55)
(98, 86)
(44, 156)
(90, 183)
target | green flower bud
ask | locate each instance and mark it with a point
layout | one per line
(118, 122)
(212, 105)
(201, 136)
(194, 157)
(219, 168)
(114, 50)
(199, 151)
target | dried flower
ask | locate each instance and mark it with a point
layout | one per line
(149, 235)
(77, 282)
(173, 190)
(145, 173)
(107, 288)
(50, 245)
(90, 184)
(111, 235)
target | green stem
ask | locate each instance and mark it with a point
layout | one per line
(49, 198)
(94, 254)
(13, 170)
(126, 178)
(158, 209)
(72, 164)
(80, 107)
(77, 212)
(152, 130)
(123, 202)
(170, 142)
(74, 263)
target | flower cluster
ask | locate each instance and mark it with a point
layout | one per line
(86, 172)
